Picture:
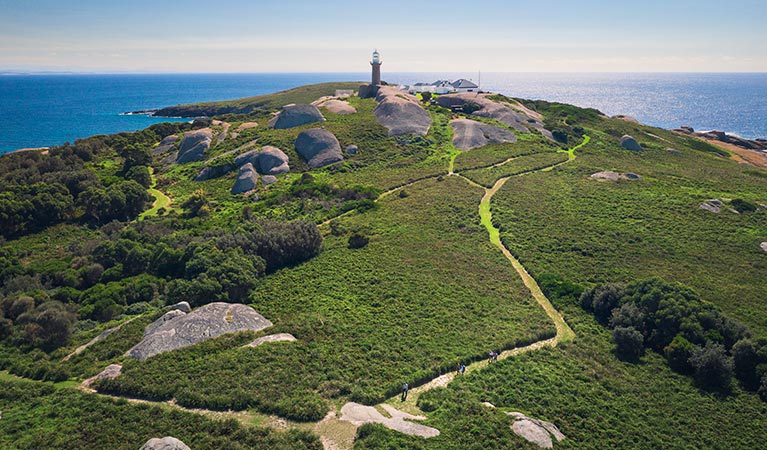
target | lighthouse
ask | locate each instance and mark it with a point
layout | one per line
(376, 64)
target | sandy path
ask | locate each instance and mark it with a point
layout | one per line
(338, 429)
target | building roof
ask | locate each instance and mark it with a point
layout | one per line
(464, 84)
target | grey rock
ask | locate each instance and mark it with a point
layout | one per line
(338, 107)
(246, 180)
(166, 443)
(167, 144)
(514, 114)
(763, 246)
(279, 337)
(110, 372)
(318, 147)
(268, 179)
(272, 161)
(537, 431)
(194, 145)
(625, 118)
(469, 134)
(606, 175)
(165, 318)
(712, 205)
(351, 149)
(268, 161)
(674, 151)
(400, 112)
(211, 172)
(182, 306)
(203, 323)
(629, 143)
(296, 115)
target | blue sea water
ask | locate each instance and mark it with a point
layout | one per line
(44, 110)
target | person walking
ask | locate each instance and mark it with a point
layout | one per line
(404, 391)
(495, 356)
(463, 368)
(490, 356)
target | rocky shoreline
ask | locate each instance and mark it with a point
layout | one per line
(759, 145)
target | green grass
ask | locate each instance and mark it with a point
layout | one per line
(596, 400)
(38, 415)
(160, 200)
(302, 94)
(523, 164)
(566, 224)
(408, 306)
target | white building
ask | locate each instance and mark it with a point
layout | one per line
(464, 85)
(442, 87)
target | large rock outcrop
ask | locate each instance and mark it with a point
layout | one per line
(194, 145)
(177, 329)
(296, 115)
(110, 372)
(537, 431)
(513, 114)
(246, 179)
(469, 134)
(629, 143)
(400, 112)
(167, 144)
(166, 443)
(318, 147)
(268, 161)
(337, 106)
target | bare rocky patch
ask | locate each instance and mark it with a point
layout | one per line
(399, 421)
(470, 134)
(401, 113)
(177, 329)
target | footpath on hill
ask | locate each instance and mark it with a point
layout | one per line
(336, 432)
(338, 429)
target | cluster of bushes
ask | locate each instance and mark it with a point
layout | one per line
(693, 335)
(563, 120)
(354, 197)
(46, 417)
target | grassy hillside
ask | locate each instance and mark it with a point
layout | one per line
(259, 103)
(579, 229)
(408, 306)
(381, 268)
(38, 415)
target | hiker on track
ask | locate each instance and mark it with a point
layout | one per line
(404, 391)
(463, 369)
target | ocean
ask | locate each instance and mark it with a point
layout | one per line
(45, 110)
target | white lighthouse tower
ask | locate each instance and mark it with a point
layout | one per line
(376, 64)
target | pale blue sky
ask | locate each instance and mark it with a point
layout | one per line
(338, 36)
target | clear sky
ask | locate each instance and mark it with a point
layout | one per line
(413, 36)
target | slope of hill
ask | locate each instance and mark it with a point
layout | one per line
(398, 260)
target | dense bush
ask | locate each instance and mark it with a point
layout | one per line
(671, 319)
(629, 343)
(712, 367)
(357, 240)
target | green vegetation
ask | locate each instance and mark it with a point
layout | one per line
(564, 224)
(261, 103)
(366, 318)
(38, 415)
(399, 283)
(523, 164)
(594, 398)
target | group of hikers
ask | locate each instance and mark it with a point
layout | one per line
(460, 368)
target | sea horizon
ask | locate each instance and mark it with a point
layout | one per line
(45, 109)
